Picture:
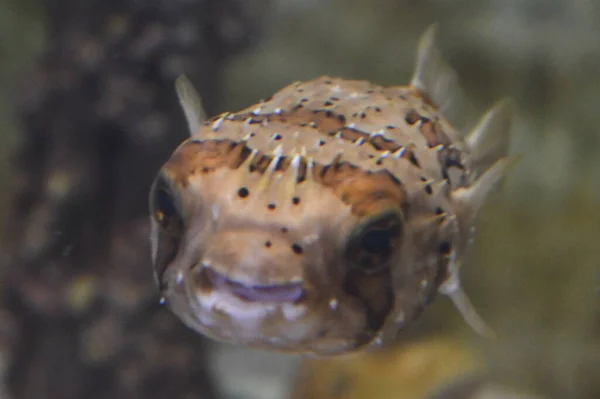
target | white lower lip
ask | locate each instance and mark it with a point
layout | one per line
(292, 312)
(234, 307)
(247, 315)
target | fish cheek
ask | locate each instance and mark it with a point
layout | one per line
(166, 249)
(375, 293)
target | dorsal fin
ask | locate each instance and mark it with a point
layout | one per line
(191, 103)
(435, 78)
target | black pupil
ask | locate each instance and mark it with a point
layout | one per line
(378, 241)
(164, 203)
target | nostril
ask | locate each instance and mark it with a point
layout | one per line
(287, 292)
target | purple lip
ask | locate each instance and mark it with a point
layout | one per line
(288, 292)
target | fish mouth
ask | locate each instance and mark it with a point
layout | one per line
(276, 293)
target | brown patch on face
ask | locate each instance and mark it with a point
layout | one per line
(194, 157)
(367, 192)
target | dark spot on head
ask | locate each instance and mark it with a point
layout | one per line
(363, 115)
(297, 249)
(423, 178)
(413, 159)
(391, 127)
(304, 100)
(271, 206)
(377, 109)
(252, 134)
(298, 106)
(428, 189)
(328, 114)
(412, 117)
(284, 229)
(327, 103)
(296, 200)
(342, 118)
(300, 90)
(445, 248)
(243, 192)
(321, 143)
(277, 136)
(439, 211)
(379, 161)
(333, 98)
(268, 244)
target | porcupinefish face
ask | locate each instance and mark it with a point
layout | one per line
(326, 218)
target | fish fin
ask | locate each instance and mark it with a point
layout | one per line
(469, 200)
(461, 301)
(489, 139)
(191, 103)
(435, 78)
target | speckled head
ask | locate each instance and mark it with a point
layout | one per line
(323, 219)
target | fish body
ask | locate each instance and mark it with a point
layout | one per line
(324, 219)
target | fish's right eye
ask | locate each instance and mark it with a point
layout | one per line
(167, 237)
(163, 206)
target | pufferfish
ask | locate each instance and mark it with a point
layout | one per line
(324, 219)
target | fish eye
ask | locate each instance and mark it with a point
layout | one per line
(378, 241)
(374, 242)
(163, 205)
(164, 202)
(164, 209)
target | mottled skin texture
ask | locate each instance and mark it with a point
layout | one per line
(320, 220)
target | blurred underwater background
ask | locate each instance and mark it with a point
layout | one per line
(88, 113)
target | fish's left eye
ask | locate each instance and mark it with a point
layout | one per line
(167, 237)
(375, 241)
(379, 241)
